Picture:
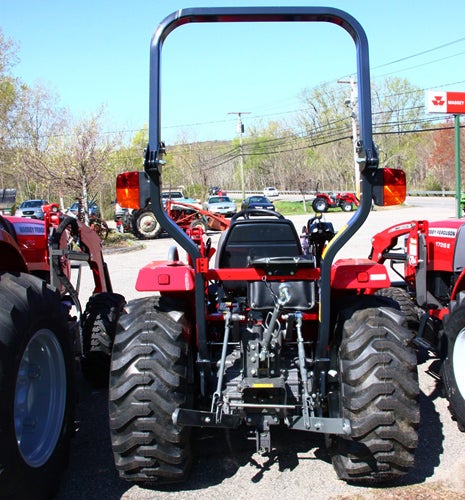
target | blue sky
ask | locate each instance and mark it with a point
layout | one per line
(96, 52)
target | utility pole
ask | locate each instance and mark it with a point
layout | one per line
(240, 128)
(352, 105)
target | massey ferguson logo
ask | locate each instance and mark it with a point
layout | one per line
(438, 100)
(442, 232)
(445, 102)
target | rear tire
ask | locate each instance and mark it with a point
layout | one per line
(347, 206)
(453, 369)
(98, 333)
(320, 205)
(406, 305)
(379, 395)
(149, 380)
(144, 224)
(37, 387)
(199, 223)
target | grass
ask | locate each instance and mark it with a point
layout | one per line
(297, 208)
(292, 207)
(120, 240)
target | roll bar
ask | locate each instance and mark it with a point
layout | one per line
(368, 159)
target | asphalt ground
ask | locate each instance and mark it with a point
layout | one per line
(225, 463)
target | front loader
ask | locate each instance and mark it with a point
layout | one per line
(258, 333)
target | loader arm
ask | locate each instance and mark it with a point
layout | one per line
(383, 242)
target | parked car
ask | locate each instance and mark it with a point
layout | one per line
(93, 209)
(256, 201)
(270, 192)
(31, 209)
(222, 205)
(178, 196)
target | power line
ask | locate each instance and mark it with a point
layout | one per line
(423, 64)
(419, 53)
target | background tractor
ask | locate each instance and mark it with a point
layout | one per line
(257, 332)
(429, 258)
(43, 331)
(324, 201)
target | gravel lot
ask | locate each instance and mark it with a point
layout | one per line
(225, 463)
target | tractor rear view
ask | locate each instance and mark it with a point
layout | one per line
(429, 258)
(259, 333)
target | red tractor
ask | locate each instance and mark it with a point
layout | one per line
(43, 330)
(431, 256)
(324, 201)
(257, 333)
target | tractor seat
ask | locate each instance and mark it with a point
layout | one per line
(249, 239)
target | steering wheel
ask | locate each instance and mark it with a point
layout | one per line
(245, 214)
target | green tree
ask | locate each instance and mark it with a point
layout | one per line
(9, 91)
(398, 111)
(40, 130)
(327, 128)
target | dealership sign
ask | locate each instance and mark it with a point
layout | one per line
(439, 101)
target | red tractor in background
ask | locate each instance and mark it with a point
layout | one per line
(324, 201)
(43, 331)
(431, 256)
(257, 332)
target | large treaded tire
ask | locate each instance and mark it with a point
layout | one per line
(144, 224)
(149, 380)
(98, 332)
(406, 304)
(379, 395)
(453, 368)
(37, 388)
(347, 206)
(319, 205)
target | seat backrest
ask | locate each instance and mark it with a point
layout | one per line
(248, 239)
(251, 238)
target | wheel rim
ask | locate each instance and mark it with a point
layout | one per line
(40, 398)
(148, 223)
(458, 358)
(320, 206)
(199, 224)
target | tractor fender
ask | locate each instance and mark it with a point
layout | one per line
(459, 286)
(31, 237)
(12, 258)
(358, 273)
(165, 276)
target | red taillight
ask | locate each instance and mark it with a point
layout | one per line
(128, 190)
(389, 187)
